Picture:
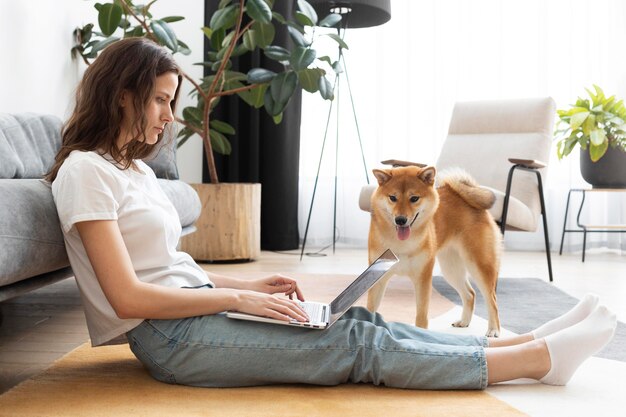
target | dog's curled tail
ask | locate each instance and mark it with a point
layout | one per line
(467, 188)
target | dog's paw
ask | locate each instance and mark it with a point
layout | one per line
(460, 323)
(493, 333)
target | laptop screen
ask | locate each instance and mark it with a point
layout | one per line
(362, 284)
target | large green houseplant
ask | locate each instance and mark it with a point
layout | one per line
(598, 126)
(236, 27)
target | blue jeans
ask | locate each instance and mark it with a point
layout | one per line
(215, 351)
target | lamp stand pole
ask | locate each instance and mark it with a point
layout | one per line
(336, 90)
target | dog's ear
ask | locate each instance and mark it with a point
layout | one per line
(382, 175)
(428, 175)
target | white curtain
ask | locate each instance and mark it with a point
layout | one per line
(407, 74)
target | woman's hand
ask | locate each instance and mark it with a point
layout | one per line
(269, 305)
(277, 284)
(256, 296)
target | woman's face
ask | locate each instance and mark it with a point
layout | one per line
(158, 110)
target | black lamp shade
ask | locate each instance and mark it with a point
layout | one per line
(363, 14)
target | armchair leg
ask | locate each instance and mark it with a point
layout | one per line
(545, 226)
(505, 209)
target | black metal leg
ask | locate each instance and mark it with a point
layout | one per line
(505, 204)
(505, 208)
(545, 226)
(584, 242)
(565, 221)
(580, 209)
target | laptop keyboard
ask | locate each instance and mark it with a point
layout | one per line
(314, 310)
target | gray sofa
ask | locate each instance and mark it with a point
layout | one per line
(32, 252)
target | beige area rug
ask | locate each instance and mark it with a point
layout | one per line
(109, 381)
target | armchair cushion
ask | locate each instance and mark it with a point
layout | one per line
(519, 216)
(466, 150)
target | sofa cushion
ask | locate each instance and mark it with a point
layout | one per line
(163, 160)
(31, 241)
(28, 144)
(185, 200)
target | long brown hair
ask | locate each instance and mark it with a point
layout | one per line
(131, 64)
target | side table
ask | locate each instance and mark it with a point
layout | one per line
(589, 228)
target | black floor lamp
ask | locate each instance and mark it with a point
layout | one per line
(354, 14)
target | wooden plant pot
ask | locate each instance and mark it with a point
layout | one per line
(229, 227)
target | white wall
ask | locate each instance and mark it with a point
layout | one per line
(37, 73)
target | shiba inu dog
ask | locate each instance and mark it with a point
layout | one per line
(419, 222)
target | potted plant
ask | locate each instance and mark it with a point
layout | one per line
(598, 126)
(229, 227)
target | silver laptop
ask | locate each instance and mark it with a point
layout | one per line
(321, 315)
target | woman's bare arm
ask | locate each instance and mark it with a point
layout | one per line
(132, 298)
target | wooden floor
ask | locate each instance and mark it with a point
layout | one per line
(42, 326)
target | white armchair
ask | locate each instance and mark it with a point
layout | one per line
(505, 145)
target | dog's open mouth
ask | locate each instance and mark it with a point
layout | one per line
(403, 232)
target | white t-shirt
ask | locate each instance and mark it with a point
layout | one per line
(90, 187)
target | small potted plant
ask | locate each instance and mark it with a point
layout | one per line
(598, 126)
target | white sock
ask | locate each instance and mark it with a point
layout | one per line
(575, 315)
(570, 347)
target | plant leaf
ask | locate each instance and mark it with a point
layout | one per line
(217, 37)
(279, 18)
(183, 48)
(222, 127)
(224, 18)
(254, 97)
(337, 39)
(269, 103)
(259, 10)
(303, 19)
(281, 89)
(589, 125)
(249, 40)
(263, 34)
(283, 86)
(100, 45)
(326, 89)
(164, 34)
(309, 79)
(219, 142)
(301, 58)
(193, 115)
(308, 11)
(277, 53)
(330, 21)
(578, 119)
(172, 19)
(260, 76)
(296, 36)
(109, 17)
(597, 137)
(184, 134)
(597, 151)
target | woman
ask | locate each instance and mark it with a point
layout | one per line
(121, 234)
